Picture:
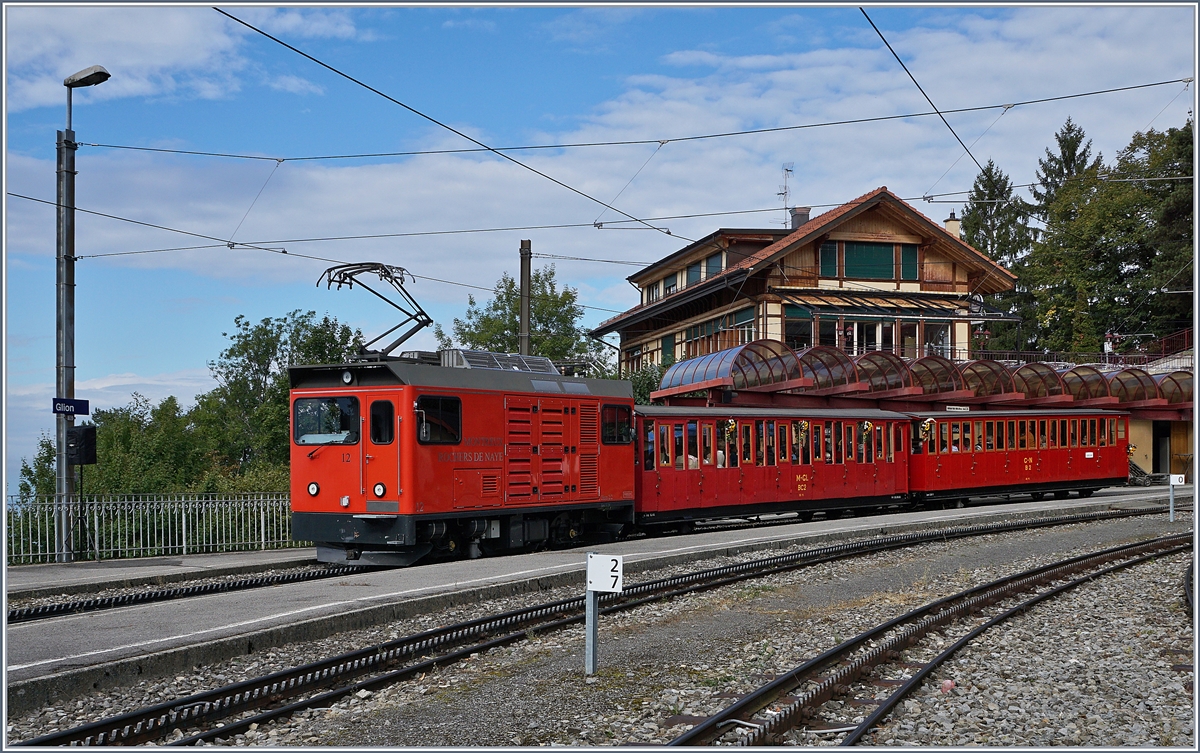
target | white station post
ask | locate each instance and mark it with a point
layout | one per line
(605, 574)
(1176, 479)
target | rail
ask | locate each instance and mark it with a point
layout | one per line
(126, 526)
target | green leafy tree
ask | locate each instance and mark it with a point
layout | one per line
(646, 380)
(235, 439)
(38, 478)
(996, 222)
(244, 420)
(1115, 238)
(554, 330)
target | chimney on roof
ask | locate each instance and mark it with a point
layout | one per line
(952, 225)
(799, 216)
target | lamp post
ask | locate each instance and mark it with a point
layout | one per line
(64, 486)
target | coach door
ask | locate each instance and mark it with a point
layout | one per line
(381, 458)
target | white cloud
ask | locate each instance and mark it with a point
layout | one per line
(295, 85)
(306, 24)
(474, 24)
(192, 52)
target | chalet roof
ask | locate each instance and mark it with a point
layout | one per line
(713, 239)
(994, 279)
(819, 225)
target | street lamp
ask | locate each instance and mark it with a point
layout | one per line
(64, 486)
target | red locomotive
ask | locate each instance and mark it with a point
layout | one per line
(396, 459)
(465, 453)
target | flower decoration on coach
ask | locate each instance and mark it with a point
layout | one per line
(927, 429)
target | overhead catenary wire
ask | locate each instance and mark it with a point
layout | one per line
(232, 245)
(255, 201)
(928, 198)
(440, 124)
(640, 142)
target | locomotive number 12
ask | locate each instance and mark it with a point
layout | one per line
(345, 457)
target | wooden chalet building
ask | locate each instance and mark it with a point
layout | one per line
(871, 274)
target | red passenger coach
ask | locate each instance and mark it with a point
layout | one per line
(397, 459)
(999, 452)
(708, 462)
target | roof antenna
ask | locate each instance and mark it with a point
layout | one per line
(783, 192)
(347, 274)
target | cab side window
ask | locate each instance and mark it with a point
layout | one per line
(616, 424)
(439, 420)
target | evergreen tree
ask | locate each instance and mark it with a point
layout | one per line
(995, 221)
(1074, 159)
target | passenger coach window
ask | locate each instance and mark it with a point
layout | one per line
(747, 449)
(325, 420)
(648, 445)
(706, 444)
(616, 424)
(383, 422)
(439, 420)
(664, 444)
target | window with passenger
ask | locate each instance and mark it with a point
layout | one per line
(325, 420)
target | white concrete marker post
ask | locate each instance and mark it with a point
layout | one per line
(1176, 480)
(605, 574)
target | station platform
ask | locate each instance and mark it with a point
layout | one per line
(126, 645)
(89, 576)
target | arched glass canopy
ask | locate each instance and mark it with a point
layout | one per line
(1084, 382)
(1175, 387)
(829, 367)
(1132, 385)
(934, 374)
(986, 377)
(883, 371)
(1037, 380)
(755, 364)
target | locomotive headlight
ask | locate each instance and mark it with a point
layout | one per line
(313, 488)
(347, 377)
(380, 490)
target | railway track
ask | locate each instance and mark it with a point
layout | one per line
(321, 683)
(764, 716)
(46, 611)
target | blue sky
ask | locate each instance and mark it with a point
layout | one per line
(188, 78)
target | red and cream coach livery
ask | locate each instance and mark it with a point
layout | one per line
(463, 453)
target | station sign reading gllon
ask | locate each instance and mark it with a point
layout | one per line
(71, 407)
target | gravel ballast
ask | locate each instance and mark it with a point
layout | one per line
(1093, 667)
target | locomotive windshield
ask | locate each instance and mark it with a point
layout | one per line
(326, 420)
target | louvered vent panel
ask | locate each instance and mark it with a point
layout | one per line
(491, 486)
(589, 476)
(589, 424)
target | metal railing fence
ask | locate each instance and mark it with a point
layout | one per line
(146, 525)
